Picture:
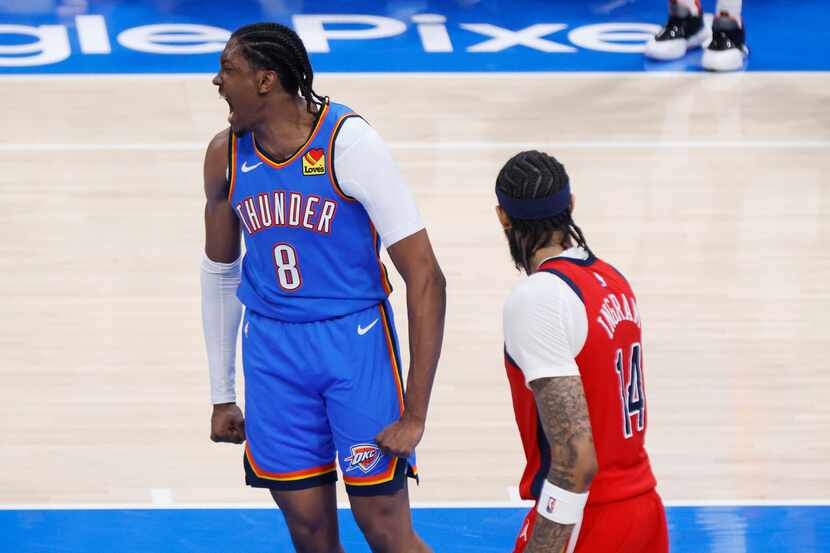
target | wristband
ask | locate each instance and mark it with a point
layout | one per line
(560, 506)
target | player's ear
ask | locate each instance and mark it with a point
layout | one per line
(266, 81)
(503, 218)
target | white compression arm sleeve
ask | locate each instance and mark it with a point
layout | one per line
(366, 171)
(221, 313)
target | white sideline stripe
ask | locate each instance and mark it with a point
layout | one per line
(617, 145)
(595, 145)
(413, 75)
(162, 496)
(416, 505)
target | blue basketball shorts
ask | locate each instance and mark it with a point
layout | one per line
(318, 393)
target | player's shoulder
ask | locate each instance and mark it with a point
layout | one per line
(340, 110)
(216, 156)
(539, 290)
(613, 270)
(537, 286)
(531, 287)
(353, 129)
(219, 142)
(216, 164)
(356, 131)
(605, 277)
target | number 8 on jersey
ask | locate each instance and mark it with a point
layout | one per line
(288, 273)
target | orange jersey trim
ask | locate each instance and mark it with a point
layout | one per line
(387, 475)
(330, 161)
(287, 476)
(392, 358)
(301, 149)
(384, 276)
(380, 479)
(232, 165)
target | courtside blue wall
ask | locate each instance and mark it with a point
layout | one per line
(556, 35)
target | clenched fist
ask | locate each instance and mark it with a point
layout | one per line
(227, 424)
(400, 438)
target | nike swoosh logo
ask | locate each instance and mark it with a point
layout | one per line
(247, 168)
(361, 330)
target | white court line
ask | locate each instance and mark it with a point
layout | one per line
(162, 496)
(618, 145)
(416, 505)
(622, 144)
(415, 75)
(166, 146)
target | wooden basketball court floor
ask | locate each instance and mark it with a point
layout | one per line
(710, 192)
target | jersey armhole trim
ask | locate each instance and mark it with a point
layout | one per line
(231, 169)
(510, 358)
(332, 175)
(581, 262)
(543, 451)
(567, 280)
(384, 274)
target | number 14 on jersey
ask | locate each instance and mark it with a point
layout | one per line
(631, 393)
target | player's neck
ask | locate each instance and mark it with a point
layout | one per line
(543, 253)
(285, 127)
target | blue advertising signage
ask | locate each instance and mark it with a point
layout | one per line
(184, 36)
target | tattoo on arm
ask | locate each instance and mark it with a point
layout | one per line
(549, 537)
(564, 415)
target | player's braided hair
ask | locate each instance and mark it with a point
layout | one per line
(276, 47)
(531, 175)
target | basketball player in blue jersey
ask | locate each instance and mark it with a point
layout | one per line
(314, 191)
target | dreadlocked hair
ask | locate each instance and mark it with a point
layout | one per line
(277, 48)
(530, 175)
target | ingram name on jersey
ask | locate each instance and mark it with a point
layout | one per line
(311, 251)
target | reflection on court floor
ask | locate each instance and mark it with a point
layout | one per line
(724, 529)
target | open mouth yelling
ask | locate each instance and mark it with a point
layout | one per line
(230, 106)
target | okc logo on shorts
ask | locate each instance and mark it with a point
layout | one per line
(551, 504)
(364, 456)
(314, 162)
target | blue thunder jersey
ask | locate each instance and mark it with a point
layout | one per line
(312, 252)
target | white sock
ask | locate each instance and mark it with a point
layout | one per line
(732, 8)
(685, 8)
